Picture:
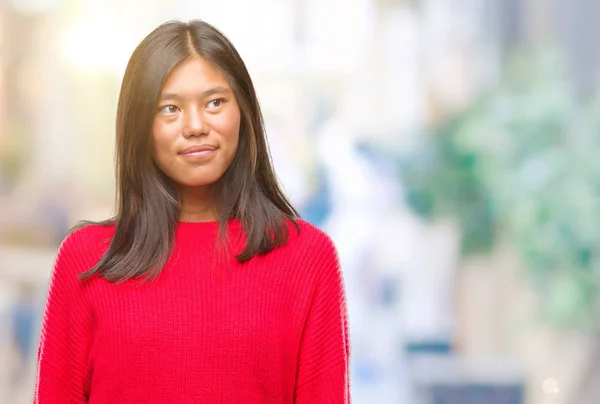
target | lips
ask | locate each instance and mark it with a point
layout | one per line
(198, 149)
(198, 153)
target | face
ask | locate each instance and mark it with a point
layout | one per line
(196, 126)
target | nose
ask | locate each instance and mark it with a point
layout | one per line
(194, 124)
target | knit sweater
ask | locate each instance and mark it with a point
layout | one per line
(272, 330)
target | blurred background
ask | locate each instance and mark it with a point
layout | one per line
(449, 148)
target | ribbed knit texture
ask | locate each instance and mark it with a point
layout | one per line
(270, 331)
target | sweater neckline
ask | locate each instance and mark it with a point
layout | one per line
(212, 225)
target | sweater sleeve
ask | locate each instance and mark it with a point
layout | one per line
(65, 335)
(323, 372)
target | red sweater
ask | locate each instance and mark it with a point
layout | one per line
(272, 330)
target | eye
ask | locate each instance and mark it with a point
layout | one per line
(216, 103)
(168, 109)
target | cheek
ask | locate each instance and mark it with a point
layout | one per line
(234, 137)
(161, 145)
(232, 131)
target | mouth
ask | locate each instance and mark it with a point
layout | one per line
(198, 152)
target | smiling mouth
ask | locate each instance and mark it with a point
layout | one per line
(198, 152)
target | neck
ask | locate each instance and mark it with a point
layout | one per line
(197, 205)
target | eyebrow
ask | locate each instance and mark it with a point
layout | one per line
(204, 94)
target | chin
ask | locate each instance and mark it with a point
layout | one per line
(197, 182)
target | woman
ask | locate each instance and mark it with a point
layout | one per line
(205, 287)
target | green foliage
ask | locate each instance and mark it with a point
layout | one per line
(523, 162)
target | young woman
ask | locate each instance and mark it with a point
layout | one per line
(205, 287)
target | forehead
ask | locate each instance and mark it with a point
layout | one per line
(194, 75)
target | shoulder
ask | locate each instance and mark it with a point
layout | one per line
(315, 255)
(309, 241)
(83, 247)
(87, 236)
(312, 235)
